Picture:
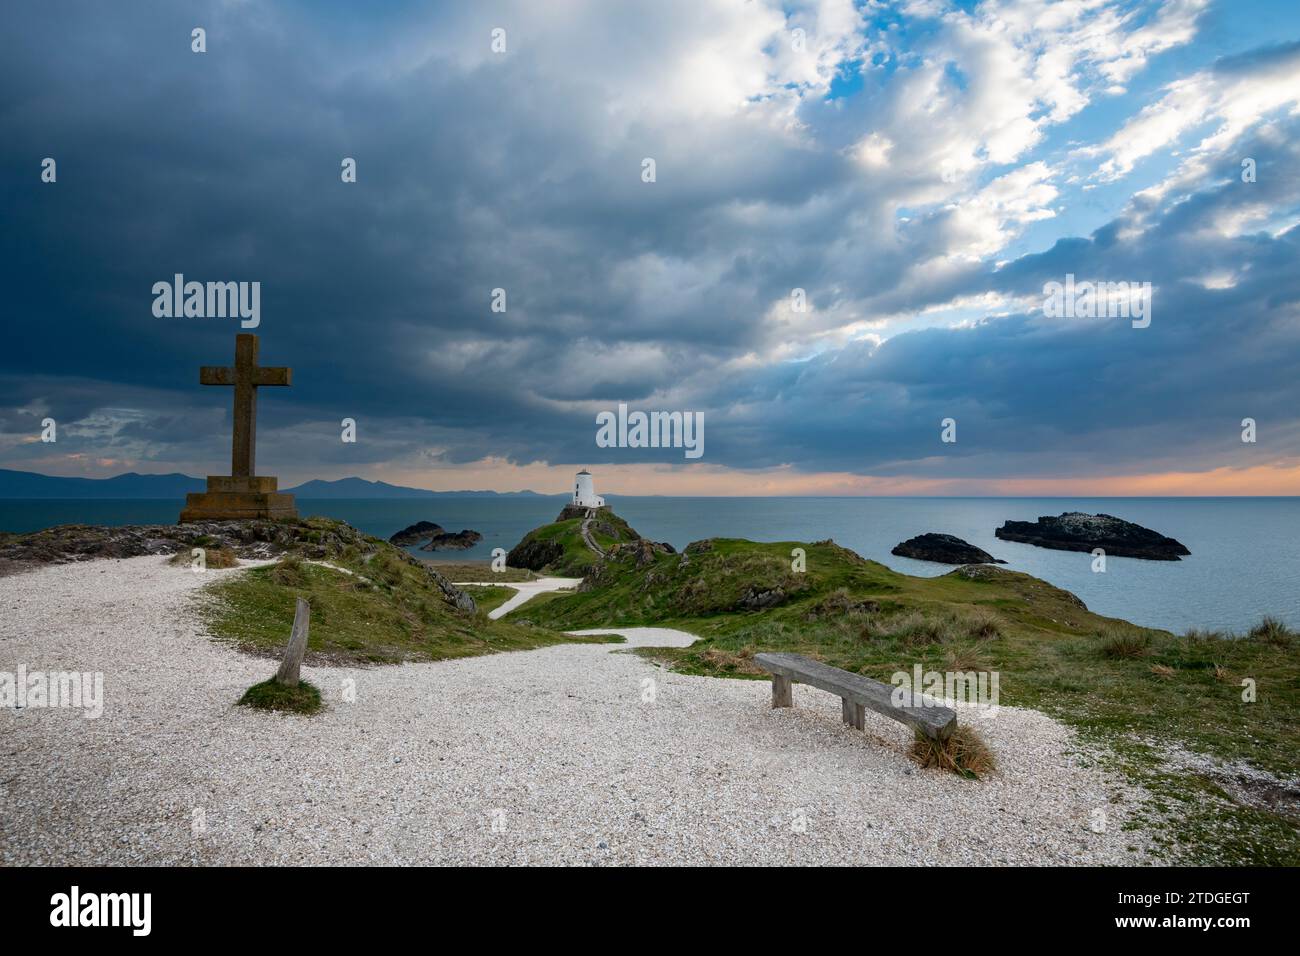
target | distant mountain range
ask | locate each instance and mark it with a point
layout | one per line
(361, 488)
(28, 484)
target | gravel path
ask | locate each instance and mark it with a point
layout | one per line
(561, 755)
(586, 536)
(524, 591)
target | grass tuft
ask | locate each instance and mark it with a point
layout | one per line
(964, 753)
(289, 573)
(983, 625)
(1120, 645)
(1272, 631)
(965, 657)
(271, 695)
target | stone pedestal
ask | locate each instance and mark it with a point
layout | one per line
(232, 498)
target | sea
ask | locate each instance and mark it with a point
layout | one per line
(1245, 560)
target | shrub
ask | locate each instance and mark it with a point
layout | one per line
(965, 658)
(840, 603)
(1117, 644)
(289, 572)
(964, 753)
(983, 625)
(1271, 631)
(916, 629)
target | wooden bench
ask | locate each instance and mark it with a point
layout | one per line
(857, 693)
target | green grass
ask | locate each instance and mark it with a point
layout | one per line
(269, 695)
(1121, 686)
(479, 571)
(387, 611)
(489, 598)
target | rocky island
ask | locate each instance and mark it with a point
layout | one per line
(574, 541)
(434, 538)
(943, 549)
(1076, 531)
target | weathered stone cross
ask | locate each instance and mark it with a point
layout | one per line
(242, 493)
(247, 376)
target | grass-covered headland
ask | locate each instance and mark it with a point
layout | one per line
(559, 547)
(1169, 710)
(371, 603)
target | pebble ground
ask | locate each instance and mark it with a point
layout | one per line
(571, 754)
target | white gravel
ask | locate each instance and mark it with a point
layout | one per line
(548, 756)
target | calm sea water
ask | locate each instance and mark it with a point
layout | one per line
(1245, 560)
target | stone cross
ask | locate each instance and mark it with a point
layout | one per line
(246, 376)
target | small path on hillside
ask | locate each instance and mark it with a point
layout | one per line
(586, 534)
(524, 591)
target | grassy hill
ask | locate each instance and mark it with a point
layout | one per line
(558, 548)
(371, 603)
(1139, 692)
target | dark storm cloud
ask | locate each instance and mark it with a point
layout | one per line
(477, 174)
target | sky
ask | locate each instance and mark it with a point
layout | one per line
(920, 172)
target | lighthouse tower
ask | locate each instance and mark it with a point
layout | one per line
(584, 492)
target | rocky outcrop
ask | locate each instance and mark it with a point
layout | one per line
(431, 537)
(452, 541)
(642, 551)
(1076, 531)
(450, 593)
(534, 554)
(415, 533)
(571, 544)
(569, 512)
(317, 539)
(943, 549)
(757, 598)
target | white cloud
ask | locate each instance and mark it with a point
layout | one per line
(1236, 96)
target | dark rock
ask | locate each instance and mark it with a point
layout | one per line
(319, 539)
(642, 551)
(449, 541)
(434, 538)
(1076, 531)
(414, 534)
(534, 554)
(755, 598)
(569, 512)
(943, 549)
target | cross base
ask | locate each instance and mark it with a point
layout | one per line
(230, 498)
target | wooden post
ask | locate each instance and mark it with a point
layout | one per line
(293, 654)
(855, 715)
(782, 691)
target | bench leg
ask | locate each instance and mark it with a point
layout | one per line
(855, 715)
(782, 691)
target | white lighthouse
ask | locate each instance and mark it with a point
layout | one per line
(584, 492)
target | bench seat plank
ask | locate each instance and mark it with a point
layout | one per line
(935, 722)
